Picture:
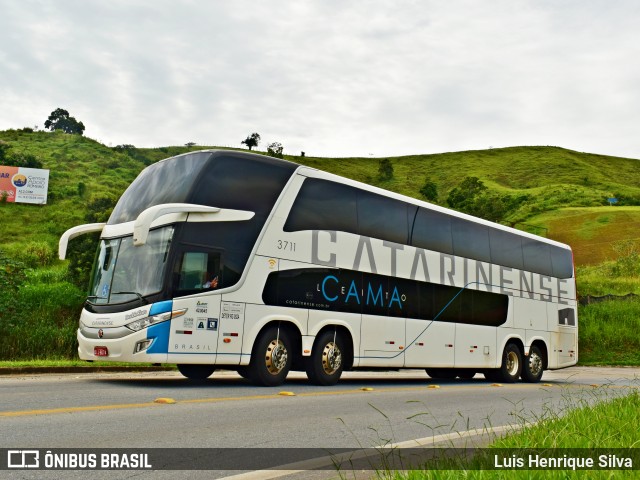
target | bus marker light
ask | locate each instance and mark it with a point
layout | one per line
(101, 351)
(307, 351)
(227, 340)
(400, 347)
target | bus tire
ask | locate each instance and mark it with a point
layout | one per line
(493, 375)
(271, 358)
(196, 372)
(324, 366)
(533, 366)
(509, 371)
(442, 373)
(466, 373)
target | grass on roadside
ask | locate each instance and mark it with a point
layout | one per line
(587, 424)
(608, 333)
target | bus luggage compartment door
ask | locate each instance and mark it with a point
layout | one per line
(382, 341)
(194, 336)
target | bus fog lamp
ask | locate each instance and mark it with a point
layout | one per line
(142, 345)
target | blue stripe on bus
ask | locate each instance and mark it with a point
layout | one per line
(161, 307)
(159, 332)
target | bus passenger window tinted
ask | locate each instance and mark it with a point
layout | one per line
(561, 262)
(537, 257)
(506, 249)
(323, 205)
(470, 240)
(432, 231)
(242, 183)
(168, 181)
(383, 218)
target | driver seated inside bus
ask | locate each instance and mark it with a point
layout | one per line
(213, 283)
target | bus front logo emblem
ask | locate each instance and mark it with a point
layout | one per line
(100, 333)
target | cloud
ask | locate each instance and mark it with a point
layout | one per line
(328, 77)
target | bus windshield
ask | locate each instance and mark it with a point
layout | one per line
(124, 273)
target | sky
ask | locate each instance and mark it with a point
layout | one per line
(329, 77)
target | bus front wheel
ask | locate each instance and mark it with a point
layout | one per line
(271, 358)
(324, 366)
(196, 372)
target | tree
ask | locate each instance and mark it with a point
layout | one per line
(275, 149)
(60, 120)
(464, 195)
(385, 169)
(473, 197)
(429, 190)
(252, 140)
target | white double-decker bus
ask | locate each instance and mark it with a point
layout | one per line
(229, 260)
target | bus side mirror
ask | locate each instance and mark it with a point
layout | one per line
(76, 232)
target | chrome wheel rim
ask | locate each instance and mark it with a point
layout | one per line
(276, 357)
(512, 363)
(535, 364)
(331, 358)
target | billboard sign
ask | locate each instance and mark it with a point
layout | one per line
(24, 185)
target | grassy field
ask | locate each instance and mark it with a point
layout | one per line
(591, 231)
(566, 192)
(594, 422)
(82, 169)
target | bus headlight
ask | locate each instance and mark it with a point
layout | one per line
(141, 323)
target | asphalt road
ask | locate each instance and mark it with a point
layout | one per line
(119, 410)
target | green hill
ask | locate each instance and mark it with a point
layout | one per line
(557, 182)
(562, 194)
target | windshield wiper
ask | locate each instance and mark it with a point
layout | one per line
(142, 300)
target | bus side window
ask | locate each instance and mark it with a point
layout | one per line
(198, 271)
(323, 205)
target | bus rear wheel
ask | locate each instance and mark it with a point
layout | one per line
(533, 366)
(271, 358)
(196, 372)
(509, 371)
(324, 366)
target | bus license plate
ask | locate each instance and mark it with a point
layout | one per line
(100, 351)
